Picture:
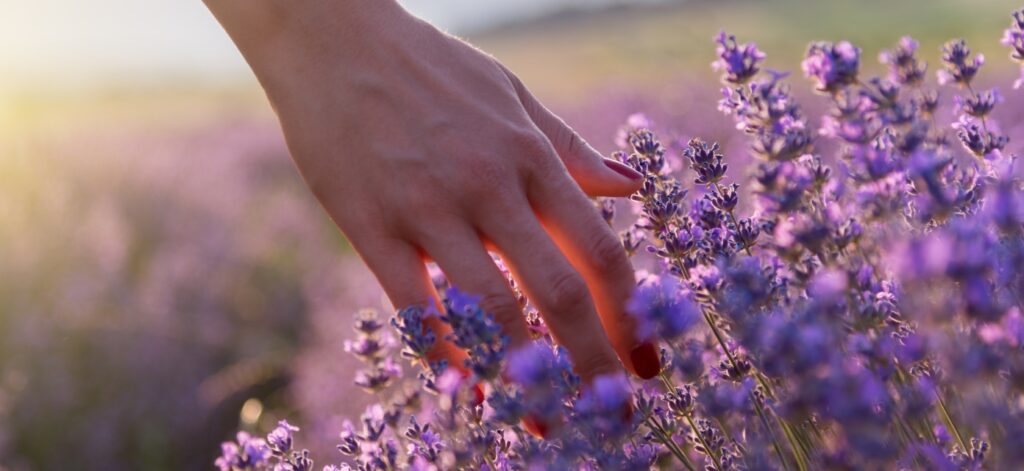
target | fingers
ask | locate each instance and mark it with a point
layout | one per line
(467, 265)
(596, 175)
(400, 269)
(578, 229)
(555, 287)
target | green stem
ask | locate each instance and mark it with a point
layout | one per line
(924, 427)
(666, 440)
(732, 438)
(798, 451)
(665, 381)
(905, 428)
(710, 452)
(949, 422)
(771, 433)
(663, 435)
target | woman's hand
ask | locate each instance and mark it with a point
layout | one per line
(420, 146)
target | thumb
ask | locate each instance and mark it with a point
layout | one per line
(596, 175)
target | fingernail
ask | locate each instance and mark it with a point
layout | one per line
(623, 169)
(645, 360)
(535, 426)
(478, 395)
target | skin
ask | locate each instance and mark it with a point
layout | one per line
(421, 147)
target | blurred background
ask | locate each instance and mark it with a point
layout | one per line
(165, 277)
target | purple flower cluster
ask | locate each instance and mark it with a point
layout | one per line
(737, 63)
(275, 452)
(372, 348)
(904, 66)
(663, 309)
(832, 66)
(1014, 38)
(853, 308)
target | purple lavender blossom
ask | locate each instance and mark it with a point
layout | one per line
(706, 161)
(960, 68)
(476, 331)
(531, 365)
(980, 104)
(603, 409)
(832, 65)
(738, 63)
(417, 337)
(904, 66)
(662, 310)
(1013, 37)
(977, 139)
(544, 376)
(280, 439)
(372, 348)
(246, 453)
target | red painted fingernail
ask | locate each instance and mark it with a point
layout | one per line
(535, 426)
(623, 169)
(645, 360)
(478, 395)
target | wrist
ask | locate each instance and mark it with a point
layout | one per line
(276, 37)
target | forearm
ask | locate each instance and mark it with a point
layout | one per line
(280, 35)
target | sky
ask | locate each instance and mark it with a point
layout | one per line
(85, 43)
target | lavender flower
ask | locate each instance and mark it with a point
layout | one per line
(417, 337)
(904, 66)
(476, 331)
(662, 310)
(981, 104)
(832, 65)
(603, 409)
(280, 439)
(372, 349)
(247, 453)
(960, 68)
(976, 139)
(1013, 37)
(738, 63)
(706, 161)
(544, 376)
(970, 459)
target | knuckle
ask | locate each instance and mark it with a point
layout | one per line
(568, 297)
(607, 255)
(532, 143)
(569, 142)
(503, 306)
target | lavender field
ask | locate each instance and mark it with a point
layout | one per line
(829, 260)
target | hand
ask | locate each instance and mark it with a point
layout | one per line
(421, 147)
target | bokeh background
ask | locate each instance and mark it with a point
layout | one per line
(165, 277)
